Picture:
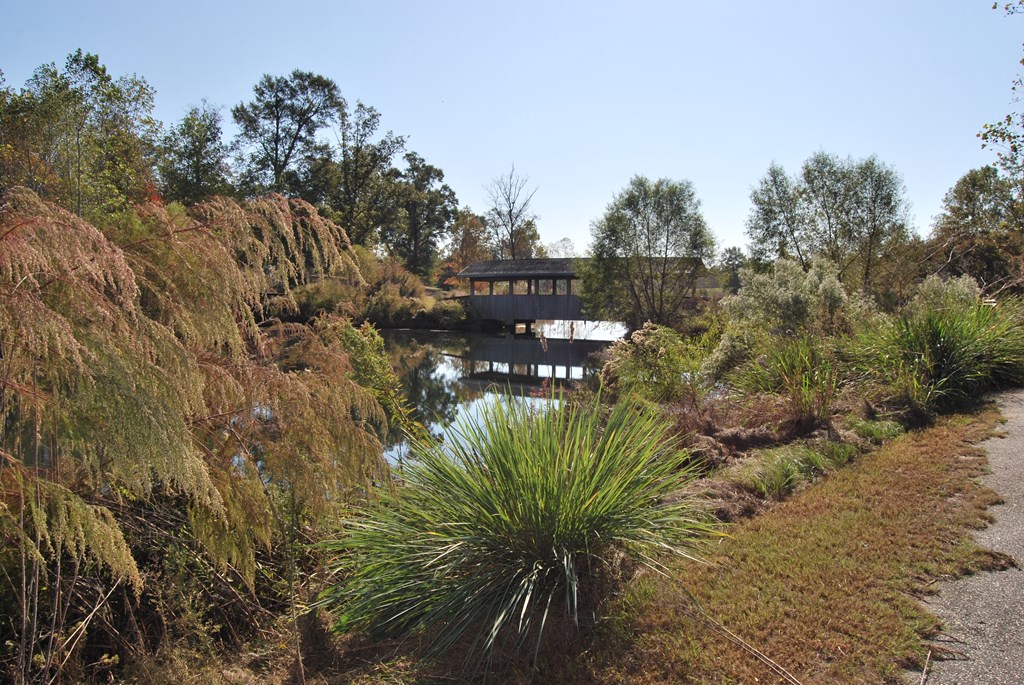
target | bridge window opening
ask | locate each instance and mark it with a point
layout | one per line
(520, 287)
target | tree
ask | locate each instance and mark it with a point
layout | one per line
(510, 219)
(467, 243)
(777, 226)
(193, 165)
(563, 248)
(878, 215)
(281, 123)
(731, 262)
(362, 199)
(1007, 134)
(979, 231)
(153, 432)
(428, 209)
(648, 249)
(852, 212)
(80, 137)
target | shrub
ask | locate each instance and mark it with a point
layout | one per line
(387, 308)
(516, 516)
(800, 371)
(656, 364)
(942, 359)
(787, 301)
(448, 313)
(936, 293)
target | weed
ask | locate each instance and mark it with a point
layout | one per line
(874, 431)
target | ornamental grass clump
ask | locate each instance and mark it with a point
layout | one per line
(799, 370)
(518, 517)
(943, 359)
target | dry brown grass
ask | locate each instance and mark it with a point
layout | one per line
(825, 583)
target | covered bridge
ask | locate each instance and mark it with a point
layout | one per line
(523, 290)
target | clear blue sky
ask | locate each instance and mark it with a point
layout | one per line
(583, 95)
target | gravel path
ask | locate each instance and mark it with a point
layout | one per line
(984, 613)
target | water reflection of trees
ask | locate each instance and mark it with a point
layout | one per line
(430, 377)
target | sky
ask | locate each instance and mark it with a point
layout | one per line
(582, 96)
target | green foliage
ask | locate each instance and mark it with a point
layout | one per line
(941, 294)
(774, 473)
(79, 137)
(144, 381)
(517, 516)
(648, 250)
(798, 369)
(448, 314)
(281, 123)
(875, 431)
(428, 209)
(657, 364)
(940, 359)
(193, 158)
(852, 213)
(784, 300)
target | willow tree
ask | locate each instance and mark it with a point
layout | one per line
(648, 249)
(147, 392)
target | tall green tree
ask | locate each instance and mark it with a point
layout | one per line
(979, 231)
(852, 212)
(363, 199)
(193, 163)
(731, 263)
(80, 137)
(647, 252)
(777, 226)
(280, 124)
(428, 208)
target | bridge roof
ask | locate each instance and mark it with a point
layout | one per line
(504, 269)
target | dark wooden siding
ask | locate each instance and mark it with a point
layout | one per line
(510, 308)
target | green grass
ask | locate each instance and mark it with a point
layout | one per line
(799, 370)
(774, 473)
(941, 360)
(516, 518)
(875, 431)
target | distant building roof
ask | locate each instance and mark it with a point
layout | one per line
(521, 268)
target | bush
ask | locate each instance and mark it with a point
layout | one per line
(936, 293)
(388, 309)
(658, 365)
(799, 370)
(448, 314)
(943, 359)
(515, 517)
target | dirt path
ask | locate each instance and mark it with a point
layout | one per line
(984, 614)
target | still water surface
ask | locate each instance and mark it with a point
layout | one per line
(450, 376)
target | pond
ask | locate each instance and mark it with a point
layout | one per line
(447, 376)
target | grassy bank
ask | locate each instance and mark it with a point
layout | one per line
(824, 584)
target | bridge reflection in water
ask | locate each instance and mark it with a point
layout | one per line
(524, 364)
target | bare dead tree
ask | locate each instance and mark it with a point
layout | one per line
(510, 220)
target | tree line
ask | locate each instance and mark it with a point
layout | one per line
(88, 141)
(652, 243)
